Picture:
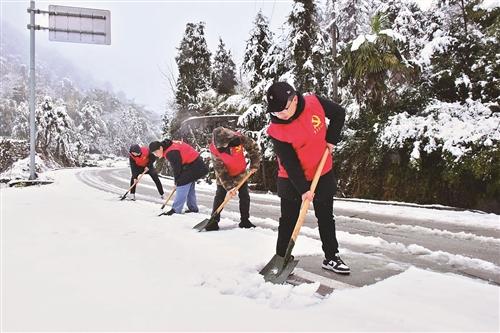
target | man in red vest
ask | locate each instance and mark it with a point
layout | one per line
(228, 158)
(142, 160)
(187, 166)
(300, 136)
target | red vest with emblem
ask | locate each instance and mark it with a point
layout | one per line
(188, 153)
(307, 135)
(235, 162)
(142, 160)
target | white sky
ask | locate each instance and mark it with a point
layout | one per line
(145, 35)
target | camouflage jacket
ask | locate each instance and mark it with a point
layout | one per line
(223, 137)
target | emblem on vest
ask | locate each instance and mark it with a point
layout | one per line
(317, 124)
(237, 148)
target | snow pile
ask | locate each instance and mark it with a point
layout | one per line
(21, 169)
(450, 127)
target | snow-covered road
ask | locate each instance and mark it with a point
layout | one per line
(378, 237)
(75, 258)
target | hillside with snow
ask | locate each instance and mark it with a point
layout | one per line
(75, 115)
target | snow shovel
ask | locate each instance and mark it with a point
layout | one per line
(279, 268)
(166, 201)
(203, 224)
(135, 183)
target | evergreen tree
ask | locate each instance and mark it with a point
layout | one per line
(352, 18)
(370, 64)
(92, 128)
(330, 34)
(306, 59)
(56, 134)
(223, 70)
(193, 61)
(256, 49)
(20, 90)
(20, 125)
(467, 65)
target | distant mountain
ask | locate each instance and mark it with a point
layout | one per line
(88, 118)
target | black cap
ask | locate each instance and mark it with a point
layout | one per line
(135, 149)
(154, 146)
(278, 95)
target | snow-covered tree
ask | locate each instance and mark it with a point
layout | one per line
(193, 61)
(20, 90)
(255, 121)
(371, 63)
(462, 53)
(20, 125)
(223, 70)
(352, 18)
(257, 47)
(305, 54)
(56, 134)
(92, 128)
(407, 19)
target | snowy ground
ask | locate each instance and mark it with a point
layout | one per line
(76, 258)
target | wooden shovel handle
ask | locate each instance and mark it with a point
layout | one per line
(228, 197)
(137, 181)
(306, 203)
(169, 196)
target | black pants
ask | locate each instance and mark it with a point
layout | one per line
(244, 201)
(324, 213)
(154, 176)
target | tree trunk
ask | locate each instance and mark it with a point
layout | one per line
(464, 14)
(334, 56)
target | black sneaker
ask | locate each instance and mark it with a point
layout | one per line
(336, 265)
(246, 224)
(170, 212)
(187, 211)
(212, 226)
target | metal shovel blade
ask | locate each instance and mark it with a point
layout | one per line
(277, 269)
(202, 225)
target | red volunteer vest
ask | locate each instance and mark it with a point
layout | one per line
(235, 162)
(188, 154)
(142, 160)
(307, 135)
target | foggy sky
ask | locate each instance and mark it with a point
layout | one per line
(144, 38)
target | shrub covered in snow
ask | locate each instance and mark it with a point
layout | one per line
(452, 128)
(12, 150)
(21, 169)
